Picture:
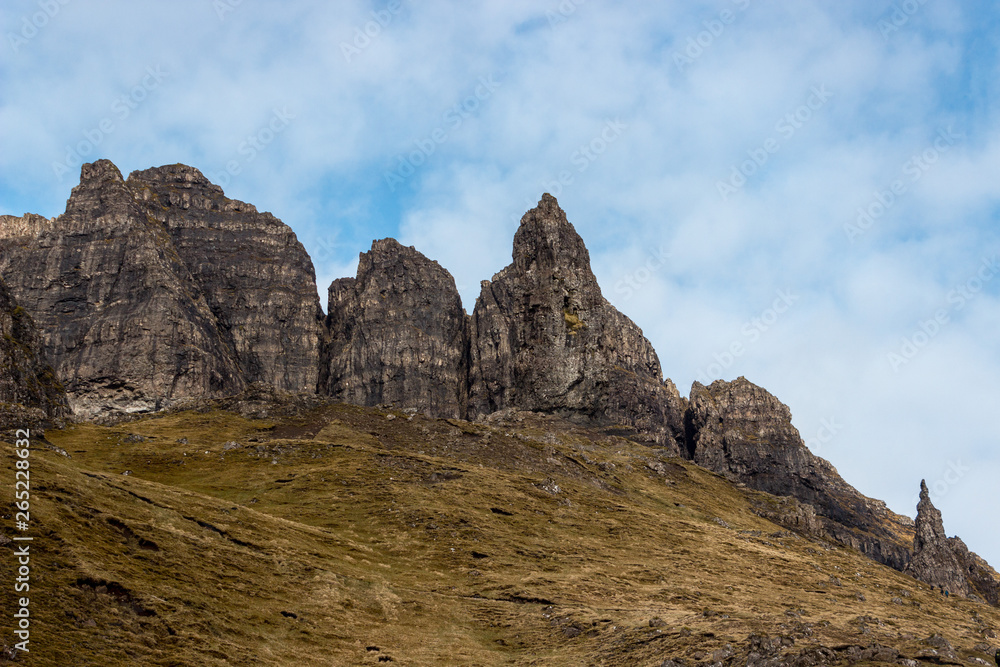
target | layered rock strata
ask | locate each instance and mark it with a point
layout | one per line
(545, 339)
(26, 378)
(253, 273)
(746, 434)
(143, 299)
(398, 334)
(159, 288)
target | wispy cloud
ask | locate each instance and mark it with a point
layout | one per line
(860, 142)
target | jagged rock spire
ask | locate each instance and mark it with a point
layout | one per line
(929, 525)
(934, 559)
(545, 339)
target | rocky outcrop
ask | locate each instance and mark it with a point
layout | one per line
(122, 318)
(159, 288)
(741, 431)
(146, 292)
(26, 378)
(253, 273)
(945, 562)
(398, 334)
(545, 339)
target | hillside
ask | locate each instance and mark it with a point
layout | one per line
(298, 531)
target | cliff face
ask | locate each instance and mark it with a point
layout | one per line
(398, 334)
(253, 273)
(741, 431)
(133, 320)
(545, 339)
(26, 378)
(121, 316)
(160, 288)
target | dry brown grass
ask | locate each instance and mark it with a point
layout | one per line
(317, 539)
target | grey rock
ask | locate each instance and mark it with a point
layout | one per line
(934, 561)
(159, 288)
(398, 334)
(945, 562)
(545, 339)
(121, 317)
(26, 377)
(743, 432)
(253, 273)
(941, 650)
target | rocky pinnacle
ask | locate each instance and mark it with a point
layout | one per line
(398, 334)
(946, 562)
(544, 338)
(159, 288)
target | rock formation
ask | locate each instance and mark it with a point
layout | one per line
(945, 562)
(545, 339)
(26, 378)
(255, 276)
(741, 431)
(159, 288)
(134, 316)
(398, 334)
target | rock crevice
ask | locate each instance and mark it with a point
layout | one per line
(27, 380)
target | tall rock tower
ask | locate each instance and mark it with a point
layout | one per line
(544, 338)
(398, 334)
(945, 562)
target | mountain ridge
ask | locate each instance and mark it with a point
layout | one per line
(158, 289)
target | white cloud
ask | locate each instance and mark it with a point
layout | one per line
(655, 185)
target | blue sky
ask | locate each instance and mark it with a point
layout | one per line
(802, 193)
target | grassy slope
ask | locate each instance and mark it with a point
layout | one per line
(317, 539)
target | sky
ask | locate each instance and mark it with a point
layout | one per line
(804, 194)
